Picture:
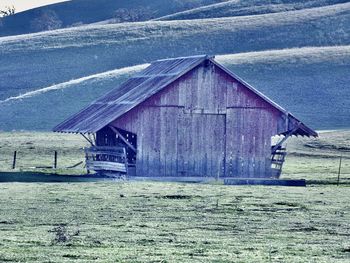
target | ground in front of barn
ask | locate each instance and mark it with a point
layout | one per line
(172, 222)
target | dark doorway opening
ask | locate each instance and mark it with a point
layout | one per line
(129, 141)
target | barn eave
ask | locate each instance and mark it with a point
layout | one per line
(299, 128)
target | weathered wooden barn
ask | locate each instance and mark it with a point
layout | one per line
(185, 117)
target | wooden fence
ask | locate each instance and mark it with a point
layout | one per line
(16, 156)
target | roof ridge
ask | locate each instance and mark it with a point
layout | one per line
(206, 56)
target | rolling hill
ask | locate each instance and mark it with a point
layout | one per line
(30, 62)
(78, 12)
(247, 7)
(298, 79)
(296, 52)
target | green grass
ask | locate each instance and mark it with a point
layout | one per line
(318, 158)
(247, 7)
(308, 158)
(37, 150)
(171, 222)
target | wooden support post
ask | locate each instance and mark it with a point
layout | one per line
(124, 139)
(14, 160)
(91, 139)
(339, 170)
(289, 134)
(55, 161)
(86, 138)
(126, 161)
(86, 161)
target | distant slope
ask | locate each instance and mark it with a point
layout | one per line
(43, 108)
(91, 11)
(31, 61)
(248, 7)
(311, 82)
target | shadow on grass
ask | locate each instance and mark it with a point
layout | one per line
(343, 182)
(42, 177)
(37, 177)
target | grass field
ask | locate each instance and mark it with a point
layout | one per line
(318, 158)
(247, 7)
(172, 222)
(37, 150)
(312, 159)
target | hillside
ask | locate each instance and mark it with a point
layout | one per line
(300, 58)
(55, 60)
(312, 83)
(79, 12)
(30, 62)
(248, 7)
(298, 79)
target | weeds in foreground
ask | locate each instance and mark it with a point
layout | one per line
(63, 234)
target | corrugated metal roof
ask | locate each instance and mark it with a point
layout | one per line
(142, 86)
(131, 93)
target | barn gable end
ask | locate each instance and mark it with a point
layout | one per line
(205, 123)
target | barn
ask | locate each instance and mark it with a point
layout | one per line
(185, 117)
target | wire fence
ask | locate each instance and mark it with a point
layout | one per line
(336, 167)
(54, 161)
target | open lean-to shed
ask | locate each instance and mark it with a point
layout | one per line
(185, 117)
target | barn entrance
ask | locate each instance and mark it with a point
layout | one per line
(201, 145)
(128, 140)
(114, 151)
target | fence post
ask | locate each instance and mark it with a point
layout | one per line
(55, 161)
(14, 160)
(341, 157)
(86, 161)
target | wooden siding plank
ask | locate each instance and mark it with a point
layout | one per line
(154, 141)
(171, 134)
(163, 142)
